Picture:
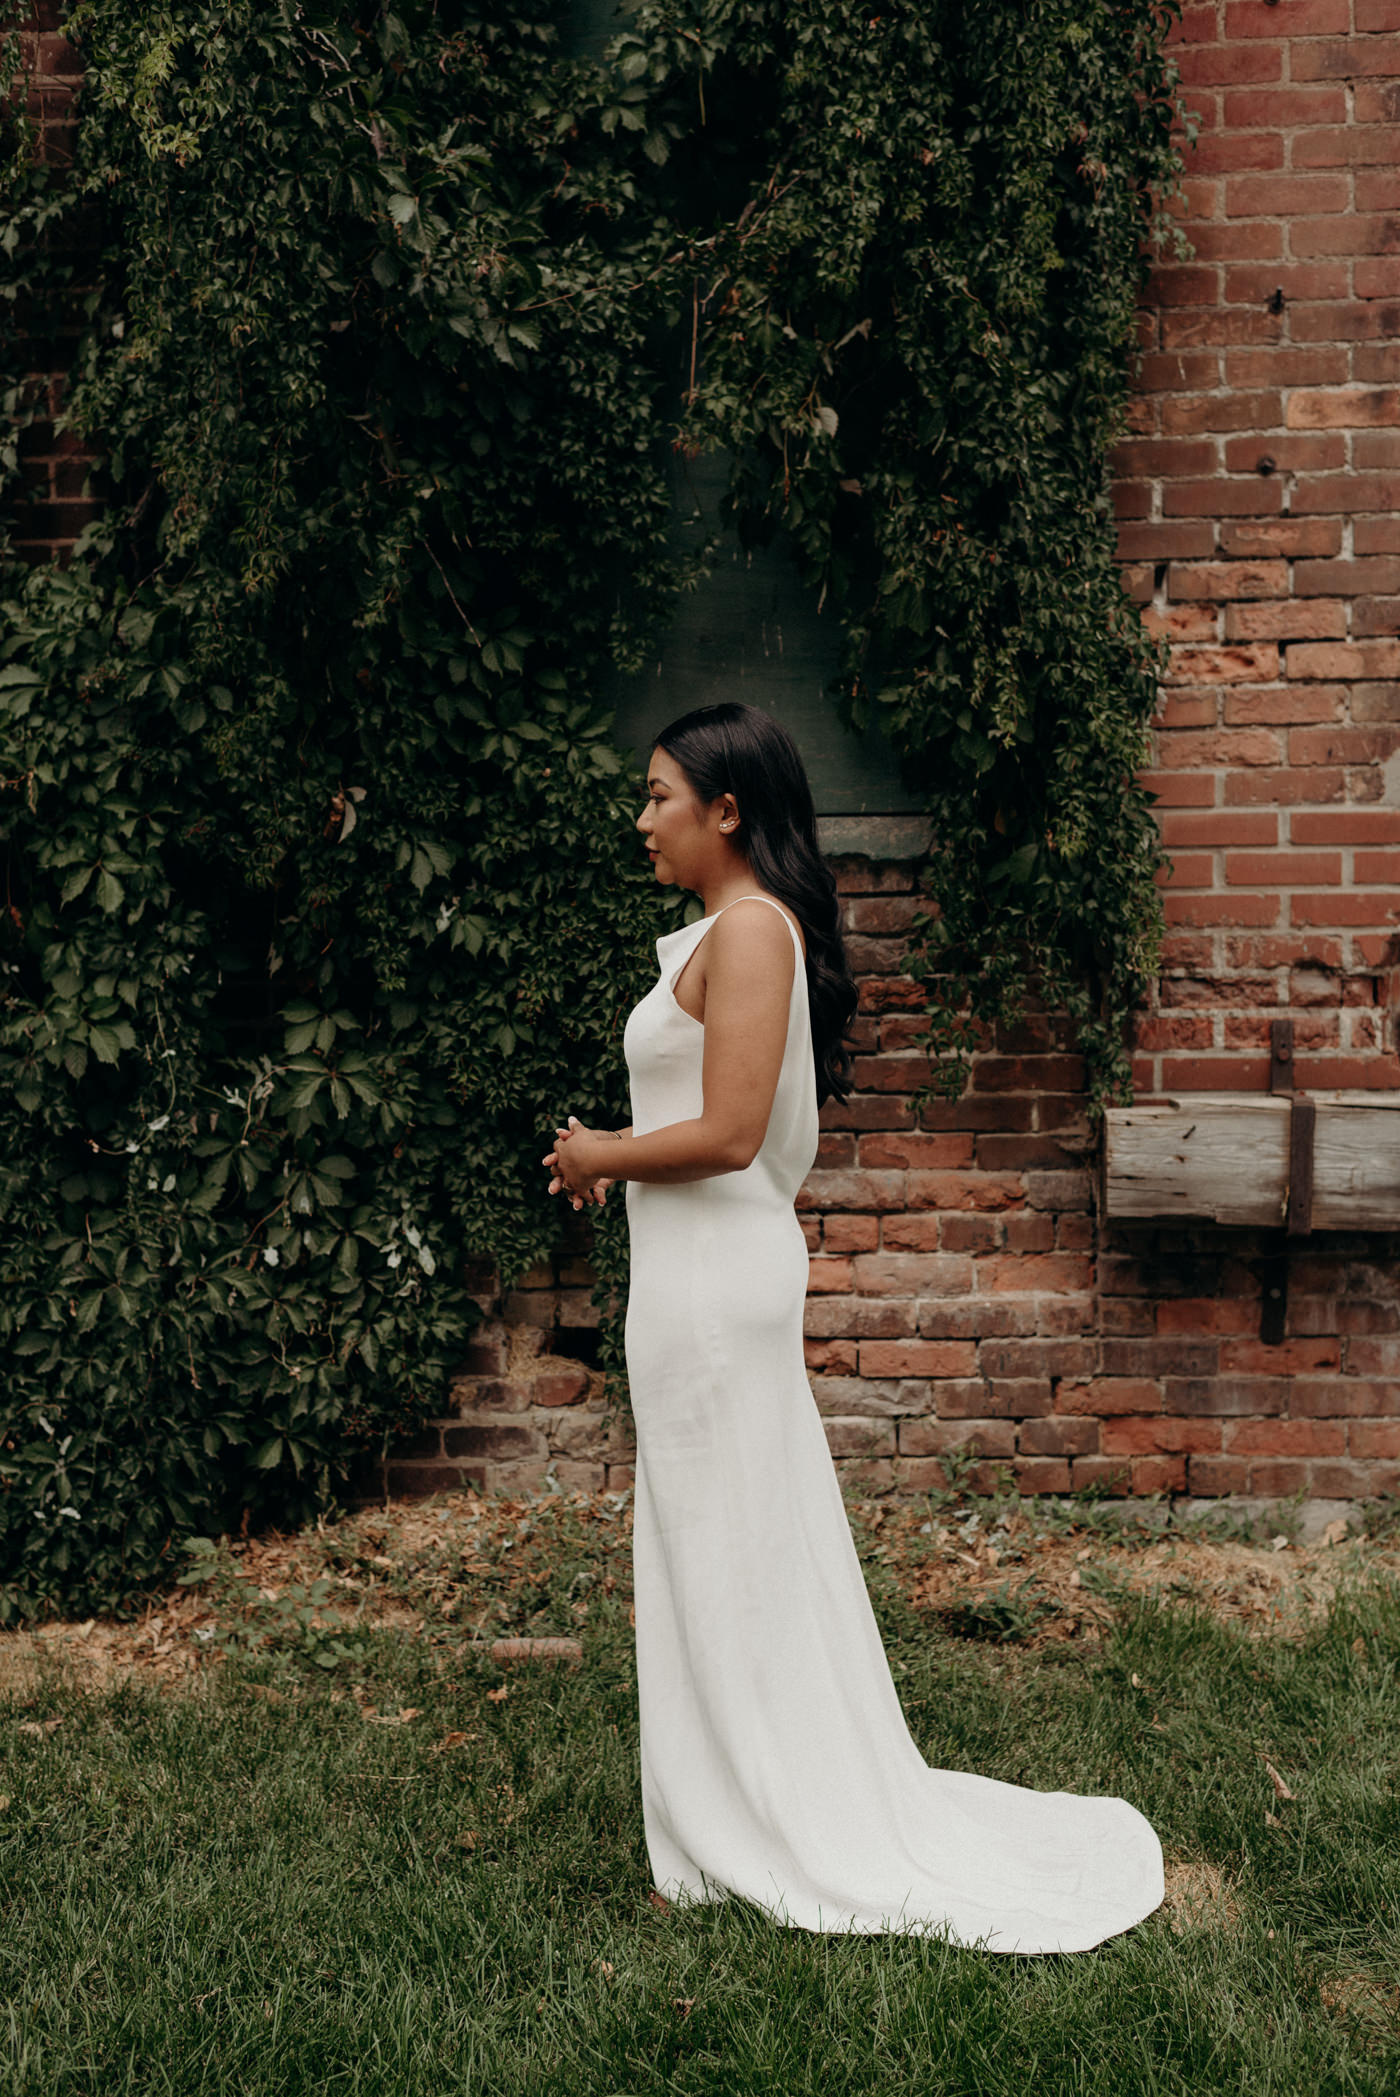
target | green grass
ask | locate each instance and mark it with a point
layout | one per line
(218, 1889)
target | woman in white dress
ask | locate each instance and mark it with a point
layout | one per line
(776, 1761)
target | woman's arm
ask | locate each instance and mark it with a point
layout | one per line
(748, 991)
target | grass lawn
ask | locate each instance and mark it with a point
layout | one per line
(277, 1836)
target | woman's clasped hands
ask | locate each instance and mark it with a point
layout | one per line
(577, 1162)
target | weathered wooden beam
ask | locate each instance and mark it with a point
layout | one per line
(1226, 1157)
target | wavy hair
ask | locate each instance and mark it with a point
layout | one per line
(736, 749)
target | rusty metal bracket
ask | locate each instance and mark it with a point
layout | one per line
(1297, 1215)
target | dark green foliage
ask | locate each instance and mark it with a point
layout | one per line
(916, 332)
(322, 894)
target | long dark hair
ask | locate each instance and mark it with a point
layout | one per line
(739, 750)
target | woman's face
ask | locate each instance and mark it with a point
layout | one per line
(682, 834)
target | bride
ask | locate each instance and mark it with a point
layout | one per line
(776, 1761)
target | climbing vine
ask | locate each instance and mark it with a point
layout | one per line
(322, 899)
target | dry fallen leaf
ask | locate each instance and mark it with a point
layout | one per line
(660, 1902)
(4, 1801)
(605, 1969)
(1271, 1820)
(1336, 1532)
(684, 2003)
(1138, 1684)
(39, 1725)
(449, 1740)
(1278, 1543)
(497, 1696)
(400, 1717)
(467, 1841)
(1279, 1786)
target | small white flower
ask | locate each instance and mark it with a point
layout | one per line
(392, 1259)
(271, 1255)
(159, 1123)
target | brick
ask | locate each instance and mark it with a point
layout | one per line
(965, 1190)
(883, 1399)
(1249, 18)
(1374, 1438)
(1053, 1437)
(925, 1233)
(1291, 537)
(1214, 909)
(990, 1438)
(1283, 108)
(1042, 1474)
(1218, 826)
(1224, 1397)
(1285, 196)
(1377, 866)
(1281, 788)
(830, 1357)
(1348, 58)
(1166, 542)
(1287, 706)
(850, 1233)
(852, 1190)
(1354, 1481)
(1217, 411)
(1155, 1436)
(1232, 65)
(1236, 580)
(860, 1436)
(1324, 362)
(1354, 746)
(852, 1318)
(497, 1439)
(1175, 457)
(1315, 453)
(909, 1357)
(1259, 497)
(1044, 1273)
(1316, 619)
(1285, 1438)
(1212, 1476)
(1345, 408)
(1344, 909)
(1343, 146)
(1346, 578)
(561, 1385)
(1285, 869)
(1376, 280)
(912, 1274)
(826, 1276)
(1198, 327)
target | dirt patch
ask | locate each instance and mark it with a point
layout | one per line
(1004, 1578)
(486, 1568)
(1199, 1896)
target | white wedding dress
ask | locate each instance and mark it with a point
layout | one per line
(776, 1760)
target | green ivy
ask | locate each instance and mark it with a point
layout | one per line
(320, 874)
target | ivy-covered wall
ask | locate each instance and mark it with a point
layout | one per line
(320, 859)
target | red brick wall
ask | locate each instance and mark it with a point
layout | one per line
(1258, 500)
(964, 1291)
(56, 501)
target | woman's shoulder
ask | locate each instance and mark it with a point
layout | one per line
(757, 931)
